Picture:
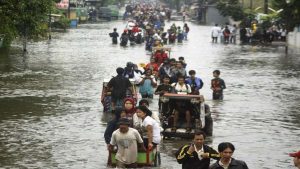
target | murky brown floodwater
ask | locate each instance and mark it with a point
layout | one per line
(50, 112)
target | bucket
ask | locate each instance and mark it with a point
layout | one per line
(73, 23)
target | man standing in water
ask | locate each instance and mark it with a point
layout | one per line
(196, 83)
(226, 151)
(215, 31)
(217, 85)
(126, 139)
(114, 35)
(196, 155)
(119, 86)
(296, 158)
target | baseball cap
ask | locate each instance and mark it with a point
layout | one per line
(296, 154)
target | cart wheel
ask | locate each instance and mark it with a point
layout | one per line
(208, 129)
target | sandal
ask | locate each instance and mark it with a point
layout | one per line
(173, 129)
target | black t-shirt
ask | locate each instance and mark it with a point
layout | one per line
(114, 35)
(119, 85)
(164, 87)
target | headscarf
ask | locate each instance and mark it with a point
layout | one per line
(131, 111)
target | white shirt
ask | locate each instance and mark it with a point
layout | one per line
(215, 31)
(199, 152)
(184, 89)
(223, 165)
(233, 31)
(283, 32)
(155, 127)
(138, 122)
(137, 77)
(156, 36)
(127, 145)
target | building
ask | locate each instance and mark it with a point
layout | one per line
(293, 41)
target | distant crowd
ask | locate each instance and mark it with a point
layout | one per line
(253, 34)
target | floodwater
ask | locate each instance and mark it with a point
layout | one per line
(51, 115)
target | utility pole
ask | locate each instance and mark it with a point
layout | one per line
(50, 25)
(50, 19)
(69, 9)
(266, 6)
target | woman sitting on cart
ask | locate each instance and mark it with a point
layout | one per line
(129, 107)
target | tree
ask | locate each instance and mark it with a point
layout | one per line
(24, 18)
(231, 8)
(290, 13)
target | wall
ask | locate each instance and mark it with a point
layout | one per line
(213, 16)
(293, 41)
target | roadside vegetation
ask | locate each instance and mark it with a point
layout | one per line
(24, 19)
(286, 12)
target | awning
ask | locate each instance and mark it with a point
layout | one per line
(195, 7)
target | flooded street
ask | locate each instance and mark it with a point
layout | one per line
(51, 115)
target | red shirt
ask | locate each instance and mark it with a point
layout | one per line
(160, 57)
(135, 29)
(152, 66)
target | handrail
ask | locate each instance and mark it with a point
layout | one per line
(148, 156)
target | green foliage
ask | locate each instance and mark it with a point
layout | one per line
(290, 14)
(231, 8)
(32, 14)
(5, 29)
(63, 23)
(24, 18)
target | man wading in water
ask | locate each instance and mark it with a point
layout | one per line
(126, 138)
(217, 85)
(119, 86)
(196, 155)
(114, 35)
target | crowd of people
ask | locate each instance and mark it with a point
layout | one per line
(173, 79)
(132, 125)
(148, 25)
(248, 34)
(227, 33)
(138, 128)
(197, 155)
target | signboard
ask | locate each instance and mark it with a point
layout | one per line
(64, 4)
